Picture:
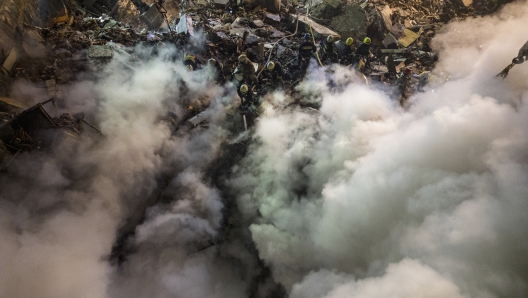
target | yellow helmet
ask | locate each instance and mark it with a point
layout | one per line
(270, 65)
(244, 88)
(190, 57)
(242, 58)
(330, 39)
(349, 41)
(431, 78)
(189, 67)
(367, 40)
(212, 62)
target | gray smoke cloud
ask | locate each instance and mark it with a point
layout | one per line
(357, 199)
(364, 199)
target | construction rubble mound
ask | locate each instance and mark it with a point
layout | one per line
(87, 34)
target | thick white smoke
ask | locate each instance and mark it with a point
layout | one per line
(61, 213)
(358, 199)
(364, 199)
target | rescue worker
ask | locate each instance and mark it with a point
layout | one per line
(218, 69)
(190, 60)
(306, 49)
(348, 52)
(522, 56)
(274, 71)
(364, 48)
(246, 95)
(404, 85)
(246, 68)
(247, 106)
(328, 49)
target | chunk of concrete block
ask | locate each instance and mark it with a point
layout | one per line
(11, 60)
(389, 39)
(100, 52)
(386, 13)
(327, 9)
(351, 23)
(319, 30)
(408, 37)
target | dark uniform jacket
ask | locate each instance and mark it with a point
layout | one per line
(306, 49)
(192, 62)
(328, 48)
(363, 49)
(276, 73)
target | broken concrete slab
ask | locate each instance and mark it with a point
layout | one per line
(397, 30)
(258, 23)
(152, 17)
(327, 9)
(10, 61)
(251, 39)
(408, 37)
(386, 13)
(272, 19)
(319, 30)
(103, 51)
(277, 34)
(390, 40)
(352, 23)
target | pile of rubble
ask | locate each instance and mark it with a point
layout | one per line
(398, 34)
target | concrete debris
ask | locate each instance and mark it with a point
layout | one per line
(86, 38)
(408, 37)
(100, 51)
(327, 9)
(34, 128)
(10, 61)
(389, 41)
(152, 17)
(318, 30)
(351, 23)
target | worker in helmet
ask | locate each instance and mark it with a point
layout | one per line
(246, 94)
(522, 56)
(328, 49)
(364, 48)
(306, 49)
(404, 85)
(218, 69)
(190, 60)
(247, 69)
(348, 54)
(248, 101)
(274, 71)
